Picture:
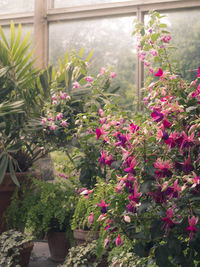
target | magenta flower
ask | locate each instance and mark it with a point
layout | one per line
(109, 160)
(191, 228)
(135, 197)
(159, 73)
(98, 133)
(119, 242)
(163, 168)
(44, 120)
(89, 79)
(166, 38)
(157, 116)
(198, 73)
(168, 222)
(62, 95)
(91, 219)
(59, 116)
(103, 157)
(52, 127)
(76, 85)
(103, 206)
(131, 165)
(187, 167)
(64, 124)
(113, 75)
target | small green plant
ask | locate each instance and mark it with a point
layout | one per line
(45, 207)
(82, 256)
(11, 243)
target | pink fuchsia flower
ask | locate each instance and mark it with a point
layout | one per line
(102, 71)
(100, 112)
(119, 242)
(64, 124)
(76, 85)
(187, 167)
(172, 76)
(54, 97)
(103, 156)
(153, 52)
(59, 116)
(159, 73)
(168, 221)
(113, 75)
(62, 175)
(131, 207)
(118, 188)
(91, 219)
(135, 197)
(106, 242)
(109, 160)
(163, 168)
(86, 193)
(102, 217)
(157, 116)
(147, 64)
(166, 38)
(62, 95)
(127, 218)
(198, 72)
(166, 124)
(131, 163)
(89, 79)
(98, 133)
(191, 228)
(103, 206)
(52, 127)
(151, 71)
(44, 120)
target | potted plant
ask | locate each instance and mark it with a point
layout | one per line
(15, 249)
(20, 108)
(45, 209)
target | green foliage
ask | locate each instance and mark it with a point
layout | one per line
(11, 243)
(125, 257)
(82, 256)
(44, 207)
(19, 106)
(87, 205)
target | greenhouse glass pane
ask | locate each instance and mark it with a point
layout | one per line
(112, 42)
(10, 6)
(70, 3)
(184, 27)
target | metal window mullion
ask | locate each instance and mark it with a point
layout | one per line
(139, 67)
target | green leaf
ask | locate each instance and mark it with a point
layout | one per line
(155, 37)
(12, 173)
(4, 37)
(3, 167)
(12, 34)
(163, 25)
(18, 38)
(81, 53)
(89, 55)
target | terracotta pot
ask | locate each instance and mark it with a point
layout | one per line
(7, 187)
(25, 254)
(82, 236)
(58, 245)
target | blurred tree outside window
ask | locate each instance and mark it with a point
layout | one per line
(113, 44)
